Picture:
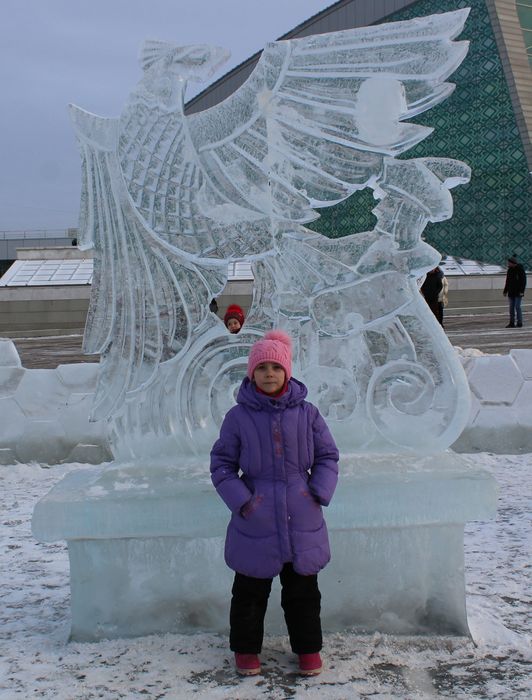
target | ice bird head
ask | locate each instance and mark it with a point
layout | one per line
(197, 62)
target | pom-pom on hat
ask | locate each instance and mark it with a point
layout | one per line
(276, 346)
(234, 311)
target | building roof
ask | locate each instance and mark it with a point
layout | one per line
(344, 14)
(37, 273)
(64, 272)
(454, 267)
(57, 273)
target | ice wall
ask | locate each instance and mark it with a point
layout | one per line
(56, 428)
(169, 198)
(45, 413)
(500, 419)
(146, 561)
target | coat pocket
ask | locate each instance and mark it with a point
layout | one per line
(251, 506)
(305, 511)
(311, 550)
(256, 518)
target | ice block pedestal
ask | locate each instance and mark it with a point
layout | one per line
(146, 546)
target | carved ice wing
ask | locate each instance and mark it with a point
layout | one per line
(167, 183)
(146, 295)
(317, 115)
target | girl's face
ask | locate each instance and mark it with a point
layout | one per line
(269, 377)
(233, 326)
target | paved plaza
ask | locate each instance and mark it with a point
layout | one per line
(466, 327)
(484, 328)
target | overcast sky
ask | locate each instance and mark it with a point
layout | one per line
(53, 52)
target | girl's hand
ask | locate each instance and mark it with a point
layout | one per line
(248, 508)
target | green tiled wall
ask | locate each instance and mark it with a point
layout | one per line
(493, 213)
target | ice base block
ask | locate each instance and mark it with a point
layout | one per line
(146, 547)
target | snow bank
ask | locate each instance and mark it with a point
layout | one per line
(45, 411)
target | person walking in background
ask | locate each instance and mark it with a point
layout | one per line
(275, 465)
(514, 288)
(431, 289)
(443, 297)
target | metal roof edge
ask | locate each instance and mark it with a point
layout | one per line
(292, 34)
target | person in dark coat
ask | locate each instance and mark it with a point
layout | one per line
(443, 298)
(431, 288)
(275, 465)
(514, 288)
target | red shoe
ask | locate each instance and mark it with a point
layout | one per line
(310, 664)
(247, 664)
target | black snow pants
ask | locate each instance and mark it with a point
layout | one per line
(301, 603)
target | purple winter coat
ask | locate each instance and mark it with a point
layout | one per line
(289, 465)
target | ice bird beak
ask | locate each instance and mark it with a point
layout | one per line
(197, 62)
(201, 62)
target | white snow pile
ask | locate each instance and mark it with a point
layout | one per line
(37, 661)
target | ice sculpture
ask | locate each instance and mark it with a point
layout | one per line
(167, 200)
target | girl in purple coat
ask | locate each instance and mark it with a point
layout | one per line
(275, 465)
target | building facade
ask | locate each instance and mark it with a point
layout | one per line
(486, 122)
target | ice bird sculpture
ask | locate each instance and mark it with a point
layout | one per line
(168, 199)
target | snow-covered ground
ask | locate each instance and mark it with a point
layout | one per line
(36, 660)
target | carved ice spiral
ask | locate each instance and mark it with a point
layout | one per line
(397, 391)
(207, 386)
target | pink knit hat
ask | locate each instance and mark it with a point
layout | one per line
(276, 346)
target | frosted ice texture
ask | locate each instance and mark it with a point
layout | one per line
(169, 199)
(142, 561)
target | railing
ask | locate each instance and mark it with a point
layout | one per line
(33, 234)
(240, 270)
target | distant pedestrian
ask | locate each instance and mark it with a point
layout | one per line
(443, 297)
(514, 288)
(431, 289)
(234, 318)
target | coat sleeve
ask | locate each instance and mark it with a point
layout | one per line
(522, 280)
(225, 456)
(324, 471)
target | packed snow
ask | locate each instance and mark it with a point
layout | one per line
(37, 661)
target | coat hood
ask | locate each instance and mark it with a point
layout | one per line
(250, 397)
